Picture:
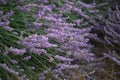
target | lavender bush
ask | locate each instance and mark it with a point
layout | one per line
(110, 31)
(108, 37)
(42, 40)
(16, 62)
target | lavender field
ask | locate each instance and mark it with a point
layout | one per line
(59, 39)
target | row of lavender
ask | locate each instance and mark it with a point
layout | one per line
(108, 35)
(42, 40)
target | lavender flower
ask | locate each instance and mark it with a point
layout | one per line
(17, 51)
(4, 65)
(66, 66)
(8, 28)
(14, 61)
(110, 34)
(41, 77)
(36, 43)
(86, 5)
(63, 58)
(37, 51)
(59, 30)
(27, 8)
(27, 58)
(1, 13)
(4, 22)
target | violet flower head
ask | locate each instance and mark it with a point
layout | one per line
(61, 58)
(17, 51)
(14, 61)
(4, 65)
(4, 20)
(66, 66)
(27, 58)
(36, 43)
(1, 13)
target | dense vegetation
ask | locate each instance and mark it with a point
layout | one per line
(59, 39)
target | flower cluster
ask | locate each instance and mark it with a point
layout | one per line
(36, 43)
(111, 33)
(108, 35)
(9, 69)
(4, 2)
(72, 41)
(60, 51)
(82, 10)
(17, 51)
(4, 20)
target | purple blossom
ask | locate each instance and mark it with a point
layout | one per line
(79, 11)
(14, 61)
(4, 65)
(63, 58)
(1, 13)
(66, 66)
(27, 58)
(72, 41)
(17, 51)
(1, 23)
(4, 22)
(3, 2)
(9, 14)
(36, 43)
(41, 76)
(37, 51)
(37, 25)
(8, 28)
(86, 5)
